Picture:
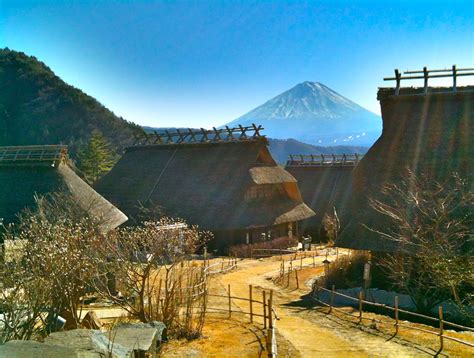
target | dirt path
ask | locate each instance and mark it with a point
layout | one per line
(312, 333)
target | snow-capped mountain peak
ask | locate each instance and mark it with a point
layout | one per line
(312, 112)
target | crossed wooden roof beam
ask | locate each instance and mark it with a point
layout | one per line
(323, 159)
(201, 135)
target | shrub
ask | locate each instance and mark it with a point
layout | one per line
(346, 271)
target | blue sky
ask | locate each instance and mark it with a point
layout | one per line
(204, 63)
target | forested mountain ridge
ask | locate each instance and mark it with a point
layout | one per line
(38, 107)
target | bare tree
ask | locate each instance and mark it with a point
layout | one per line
(50, 271)
(154, 278)
(432, 225)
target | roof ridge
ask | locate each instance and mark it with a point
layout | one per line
(200, 136)
(33, 155)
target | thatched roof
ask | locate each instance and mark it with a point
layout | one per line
(204, 183)
(430, 134)
(325, 182)
(37, 170)
(270, 175)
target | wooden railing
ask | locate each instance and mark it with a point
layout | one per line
(324, 159)
(396, 311)
(426, 74)
(33, 153)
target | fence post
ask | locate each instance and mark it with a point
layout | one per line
(250, 301)
(270, 310)
(314, 264)
(360, 306)
(396, 315)
(331, 300)
(264, 310)
(230, 308)
(441, 326)
(297, 281)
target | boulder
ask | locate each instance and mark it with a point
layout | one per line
(87, 341)
(33, 349)
(140, 338)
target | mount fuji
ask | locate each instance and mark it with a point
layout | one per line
(313, 113)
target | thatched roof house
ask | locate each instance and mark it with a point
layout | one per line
(427, 130)
(224, 181)
(37, 170)
(325, 182)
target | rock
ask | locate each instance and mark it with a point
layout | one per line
(123, 341)
(91, 321)
(88, 341)
(139, 338)
(33, 349)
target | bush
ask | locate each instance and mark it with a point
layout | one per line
(346, 271)
(279, 243)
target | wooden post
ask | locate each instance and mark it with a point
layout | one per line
(270, 310)
(425, 76)
(441, 328)
(264, 310)
(331, 300)
(230, 308)
(396, 315)
(398, 76)
(297, 281)
(301, 262)
(283, 273)
(360, 306)
(269, 343)
(289, 273)
(251, 303)
(454, 79)
(314, 263)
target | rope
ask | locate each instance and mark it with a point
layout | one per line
(331, 197)
(161, 174)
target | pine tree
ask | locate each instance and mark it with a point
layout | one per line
(97, 158)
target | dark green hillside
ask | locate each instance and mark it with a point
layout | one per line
(37, 107)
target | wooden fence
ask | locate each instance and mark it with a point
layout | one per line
(396, 311)
(257, 308)
(262, 253)
(293, 265)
